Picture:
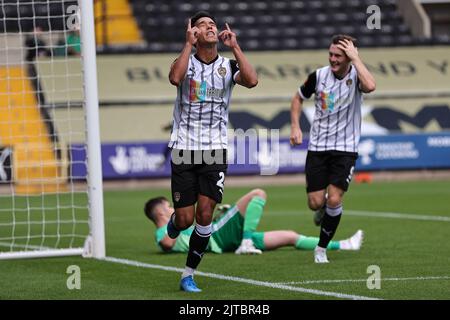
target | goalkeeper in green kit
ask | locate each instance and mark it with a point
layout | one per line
(235, 229)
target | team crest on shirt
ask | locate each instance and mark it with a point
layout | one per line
(222, 71)
(176, 196)
(349, 82)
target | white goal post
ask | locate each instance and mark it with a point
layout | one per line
(51, 190)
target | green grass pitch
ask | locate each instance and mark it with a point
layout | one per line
(413, 254)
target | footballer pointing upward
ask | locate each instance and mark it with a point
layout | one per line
(204, 82)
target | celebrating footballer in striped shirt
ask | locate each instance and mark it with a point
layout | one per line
(334, 135)
(204, 82)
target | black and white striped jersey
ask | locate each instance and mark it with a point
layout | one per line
(337, 117)
(200, 113)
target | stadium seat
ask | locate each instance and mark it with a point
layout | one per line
(37, 14)
(271, 44)
(300, 23)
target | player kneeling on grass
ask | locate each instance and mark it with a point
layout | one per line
(234, 229)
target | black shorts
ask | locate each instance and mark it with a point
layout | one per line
(329, 167)
(197, 172)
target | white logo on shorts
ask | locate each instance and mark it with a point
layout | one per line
(349, 178)
(220, 181)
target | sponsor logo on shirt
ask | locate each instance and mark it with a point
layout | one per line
(327, 99)
(200, 91)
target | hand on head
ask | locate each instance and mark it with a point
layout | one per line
(349, 49)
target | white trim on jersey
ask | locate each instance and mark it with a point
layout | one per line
(235, 75)
(301, 94)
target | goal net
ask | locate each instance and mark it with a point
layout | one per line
(51, 201)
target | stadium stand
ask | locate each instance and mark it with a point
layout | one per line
(34, 150)
(439, 13)
(23, 16)
(280, 24)
(114, 20)
(38, 163)
(115, 23)
(260, 24)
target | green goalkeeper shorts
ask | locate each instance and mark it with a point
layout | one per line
(228, 231)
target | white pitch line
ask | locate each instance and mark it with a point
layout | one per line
(365, 280)
(372, 214)
(238, 279)
(395, 215)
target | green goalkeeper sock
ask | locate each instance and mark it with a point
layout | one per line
(252, 216)
(309, 243)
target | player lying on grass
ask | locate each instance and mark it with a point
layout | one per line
(234, 229)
